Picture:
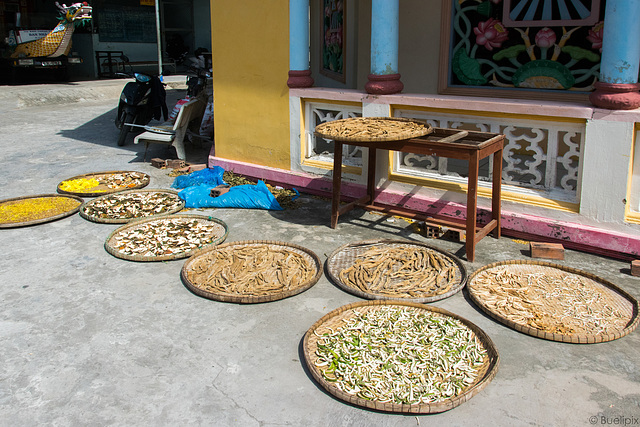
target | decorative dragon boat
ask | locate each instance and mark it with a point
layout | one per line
(52, 49)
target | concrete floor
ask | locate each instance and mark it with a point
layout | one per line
(90, 339)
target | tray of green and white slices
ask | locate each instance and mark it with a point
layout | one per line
(399, 356)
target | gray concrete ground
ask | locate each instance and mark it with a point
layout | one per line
(90, 339)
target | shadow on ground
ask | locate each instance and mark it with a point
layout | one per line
(101, 130)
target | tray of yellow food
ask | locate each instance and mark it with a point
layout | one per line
(38, 209)
(100, 183)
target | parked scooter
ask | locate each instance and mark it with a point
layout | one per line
(140, 101)
(197, 82)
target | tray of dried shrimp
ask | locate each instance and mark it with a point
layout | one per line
(399, 356)
(553, 302)
(38, 209)
(373, 129)
(125, 206)
(165, 237)
(396, 269)
(252, 271)
(100, 183)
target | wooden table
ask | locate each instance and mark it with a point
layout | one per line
(451, 143)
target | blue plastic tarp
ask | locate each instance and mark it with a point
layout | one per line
(208, 176)
(242, 196)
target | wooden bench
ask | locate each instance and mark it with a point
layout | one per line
(174, 133)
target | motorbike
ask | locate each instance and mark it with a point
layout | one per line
(197, 82)
(139, 102)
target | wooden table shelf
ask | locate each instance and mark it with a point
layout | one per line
(451, 143)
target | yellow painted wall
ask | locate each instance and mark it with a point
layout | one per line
(250, 50)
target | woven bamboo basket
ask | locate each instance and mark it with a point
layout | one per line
(219, 237)
(622, 301)
(124, 220)
(248, 295)
(338, 317)
(373, 129)
(103, 189)
(43, 219)
(344, 257)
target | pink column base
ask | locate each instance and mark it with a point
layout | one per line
(616, 96)
(300, 79)
(385, 84)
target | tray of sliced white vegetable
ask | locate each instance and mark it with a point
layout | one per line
(165, 237)
(399, 356)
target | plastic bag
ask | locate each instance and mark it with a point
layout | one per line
(242, 196)
(176, 109)
(208, 176)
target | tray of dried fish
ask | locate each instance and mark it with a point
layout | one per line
(399, 356)
(251, 271)
(396, 269)
(553, 302)
(38, 209)
(373, 129)
(100, 183)
(126, 206)
(165, 237)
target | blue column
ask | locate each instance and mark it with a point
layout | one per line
(618, 86)
(299, 72)
(621, 42)
(385, 22)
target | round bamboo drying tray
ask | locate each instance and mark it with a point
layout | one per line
(343, 260)
(123, 194)
(338, 317)
(219, 236)
(373, 129)
(250, 268)
(103, 188)
(43, 219)
(621, 302)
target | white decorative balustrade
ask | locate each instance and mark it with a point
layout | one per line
(541, 158)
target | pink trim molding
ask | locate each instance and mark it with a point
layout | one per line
(571, 235)
(616, 96)
(300, 79)
(384, 84)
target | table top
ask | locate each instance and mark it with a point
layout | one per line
(441, 138)
(372, 129)
(395, 133)
(470, 140)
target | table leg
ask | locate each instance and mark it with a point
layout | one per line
(337, 179)
(371, 174)
(496, 191)
(472, 206)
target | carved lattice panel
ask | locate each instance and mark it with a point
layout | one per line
(537, 155)
(320, 149)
